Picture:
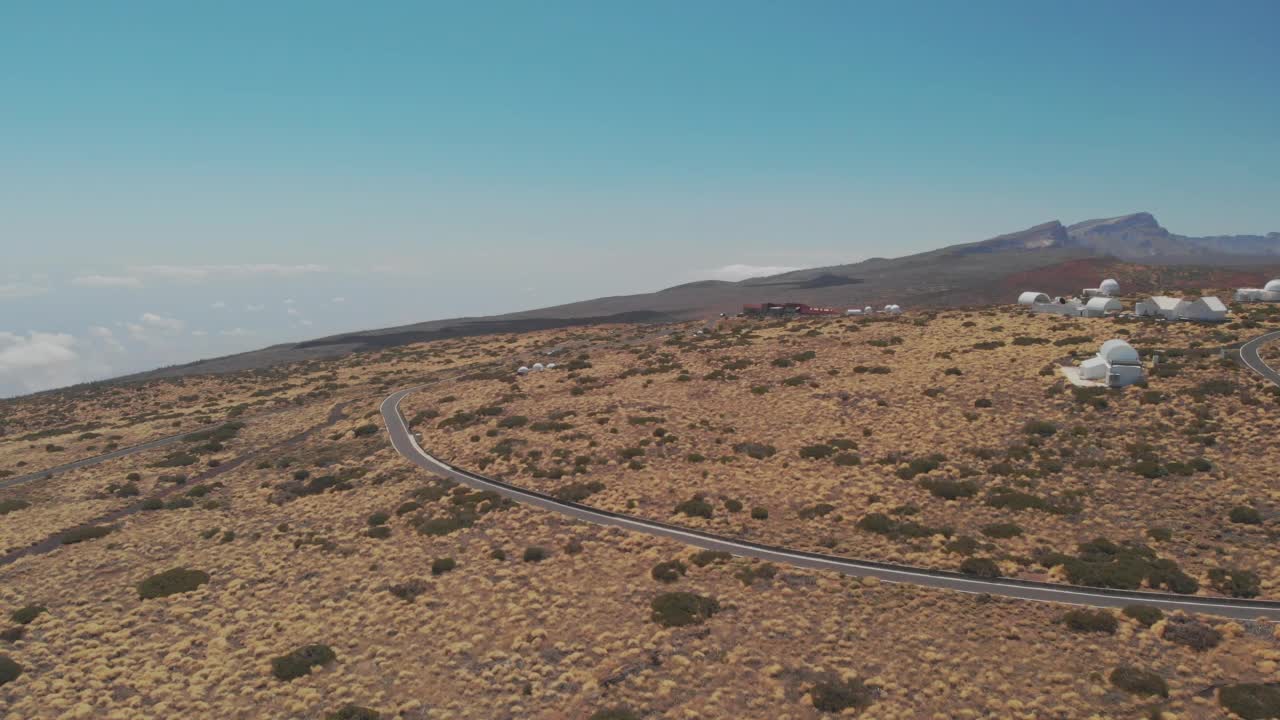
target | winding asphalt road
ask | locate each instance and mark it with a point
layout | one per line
(96, 459)
(1249, 356)
(403, 441)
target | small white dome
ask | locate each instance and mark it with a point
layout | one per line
(868, 309)
(551, 366)
(1118, 352)
(539, 366)
(1272, 286)
(1109, 286)
(524, 370)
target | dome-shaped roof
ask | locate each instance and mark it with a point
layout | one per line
(1032, 297)
(1118, 352)
(868, 309)
(538, 366)
(1272, 286)
(524, 370)
(1104, 304)
(1109, 286)
(551, 366)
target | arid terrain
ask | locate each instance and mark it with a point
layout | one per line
(282, 560)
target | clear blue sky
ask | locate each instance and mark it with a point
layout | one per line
(423, 160)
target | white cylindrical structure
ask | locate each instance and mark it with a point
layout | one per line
(1110, 286)
(1032, 297)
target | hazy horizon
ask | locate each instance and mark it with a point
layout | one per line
(184, 183)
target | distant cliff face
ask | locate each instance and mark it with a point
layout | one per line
(1140, 236)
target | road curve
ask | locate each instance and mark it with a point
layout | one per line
(1249, 356)
(404, 443)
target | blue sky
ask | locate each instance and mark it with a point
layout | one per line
(173, 174)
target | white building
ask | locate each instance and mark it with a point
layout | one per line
(1267, 293)
(1100, 305)
(1106, 288)
(1032, 298)
(524, 370)
(1205, 309)
(893, 309)
(1116, 363)
(538, 367)
(853, 311)
(1169, 308)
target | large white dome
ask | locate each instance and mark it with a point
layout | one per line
(1272, 286)
(1109, 286)
(1118, 352)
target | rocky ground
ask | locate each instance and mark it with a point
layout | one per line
(432, 601)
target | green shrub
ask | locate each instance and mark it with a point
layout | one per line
(152, 504)
(980, 567)
(535, 554)
(9, 670)
(847, 459)
(1082, 620)
(513, 421)
(1191, 633)
(1236, 583)
(678, 609)
(949, 489)
(877, 523)
(409, 590)
(695, 507)
(365, 430)
(1160, 534)
(86, 532)
(378, 518)
(1145, 614)
(815, 452)
(1139, 682)
(13, 505)
(25, 615)
(757, 451)
(1002, 530)
(1043, 428)
(816, 511)
(578, 491)
(668, 571)
(298, 663)
(353, 712)
(407, 507)
(1245, 515)
(379, 532)
(703, 558)
(982, 403)
(835, 696)
(171, 582)
(1251, 701)
(440, 566)
(759, 513)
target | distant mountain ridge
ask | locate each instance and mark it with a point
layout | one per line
(1050, 257)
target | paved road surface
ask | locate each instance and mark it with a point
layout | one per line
(1249, 356)
(86, 462)
(403, 441)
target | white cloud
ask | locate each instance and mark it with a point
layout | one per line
(38, 361)
(218, 305)
(339, 300)
(15, 290)
(235, 332)
(161, 322)
(306, 323)
(253, 308)
(739, 271)
(107, 337)
(107, 281)
(293, 312)
(199, 333)
(204, 272)
(288, 301)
